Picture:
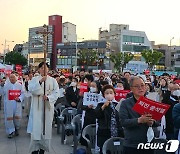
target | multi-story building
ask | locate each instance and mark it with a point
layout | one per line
(124, 40)
(177, 59)
(69, 32)
(67, 58)
(36, 54)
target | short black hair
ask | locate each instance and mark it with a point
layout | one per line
(41, 64)
(107, 87)
(89, 77)
(75, 79)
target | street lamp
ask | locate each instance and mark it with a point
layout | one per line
(5, 48)
(77, 51)
(170, 49)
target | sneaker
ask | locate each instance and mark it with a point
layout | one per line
(10, 135)
(16, 132)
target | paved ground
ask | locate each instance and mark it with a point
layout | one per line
(20, 144)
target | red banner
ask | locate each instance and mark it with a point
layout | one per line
(14, 94)
(145, 105)
(19, 69)
(121, 94)
(8, 72)
(83, 88)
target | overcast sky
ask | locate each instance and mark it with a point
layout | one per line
(158, 18)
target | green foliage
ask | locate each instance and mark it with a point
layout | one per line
(14, 57)
(120, 60)
(87, 57)
(151, 57)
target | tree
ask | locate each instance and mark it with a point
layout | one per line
(14, 57)
(151, 57)
(120, 60)
(87, 57)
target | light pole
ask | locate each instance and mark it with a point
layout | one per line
(170, 50)
(76, 63)
(5, 49)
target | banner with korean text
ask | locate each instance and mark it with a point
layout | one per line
(121, 94)
(145, 105)
(12, 94)
(83, 88)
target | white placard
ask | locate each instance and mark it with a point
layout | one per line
(92, 98)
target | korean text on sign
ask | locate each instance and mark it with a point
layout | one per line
(145, 105)
(12, 94)
(121, 94)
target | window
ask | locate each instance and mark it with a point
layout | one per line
(133, 39)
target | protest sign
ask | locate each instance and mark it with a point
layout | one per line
(12, 94)
(92, 98)
(145, 105)
(83, 88)
(121, 94)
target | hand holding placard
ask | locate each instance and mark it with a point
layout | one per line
(156, 109)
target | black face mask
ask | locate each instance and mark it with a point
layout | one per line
(113, 79)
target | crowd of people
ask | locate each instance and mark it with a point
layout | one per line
(114, 118)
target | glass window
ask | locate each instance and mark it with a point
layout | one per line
(69, 61)
(127, 47)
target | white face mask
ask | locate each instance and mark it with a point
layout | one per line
(109, 97)
(85, 81)
(120, 88)
(92, 89)
(73, 84)
(96, 78)
(176, 93)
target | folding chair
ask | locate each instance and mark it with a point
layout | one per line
(89, 134)
(58, 109)
(77, 128)
(65, 119)
(113, 145)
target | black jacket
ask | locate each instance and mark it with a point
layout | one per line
(104, 124)
(72, 96)
(134, 132)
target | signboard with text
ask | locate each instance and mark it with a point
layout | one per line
(145, 105)
(12, 94)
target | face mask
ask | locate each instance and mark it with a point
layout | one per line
(92, 89)
(85, 81)
(96, 78)
(73, 84)
(176, 93)
(120, 88)
(109, 97)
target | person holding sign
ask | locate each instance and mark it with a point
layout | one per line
(13, 96)
(88, 104)
(108, 117)
(40, 124)
(136, 126)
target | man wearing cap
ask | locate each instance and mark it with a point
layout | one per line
(40, 142)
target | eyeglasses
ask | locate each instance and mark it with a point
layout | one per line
(139, 86)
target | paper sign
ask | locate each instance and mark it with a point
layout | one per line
(83, 88)
(91, 98)
(121, 94)
(145, 105)
(12, 94)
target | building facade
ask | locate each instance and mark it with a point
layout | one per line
(124, 40)
(69, 32)
(68, 59)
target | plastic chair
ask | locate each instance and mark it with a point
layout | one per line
(113, 145)
(160, 151)
(77, 129)
(58, 109)
(65, 119)
(89, 134)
